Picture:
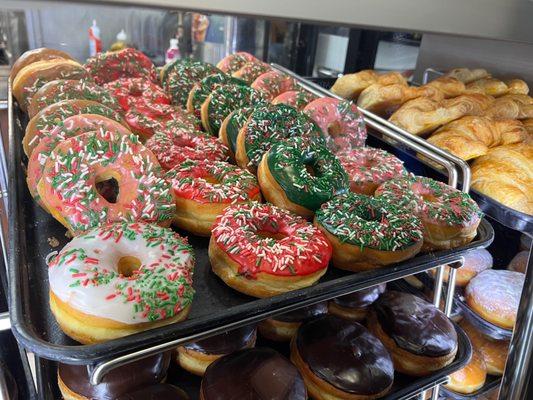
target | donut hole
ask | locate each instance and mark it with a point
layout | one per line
(108, 188)
(211, 179)
(334, 129)
(272, 235)
(312, 169)
(127, 265)
(429, 198)
(372, 215)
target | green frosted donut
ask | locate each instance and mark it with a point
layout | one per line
(232, 125)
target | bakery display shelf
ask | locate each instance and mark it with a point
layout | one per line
(492, 383)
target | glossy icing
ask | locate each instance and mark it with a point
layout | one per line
(273, 83)
(362, 298)
(131, 91)
(227, 342)
(303, 314)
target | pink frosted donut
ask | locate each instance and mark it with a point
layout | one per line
(132, 91)
(340, 120)
(295, 98)
(236, 61)
(251, 71)
(274, 83)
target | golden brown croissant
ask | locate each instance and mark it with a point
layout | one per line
(517, 86)
(451, 87)
(505, 173)
(466, 75)
(491, 86)
(528, 124)
(511, 106)
(350, 86)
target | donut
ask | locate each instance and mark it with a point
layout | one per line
(126, 63)
(195, 357)
(282, 328)
(76, 170)
(201, 90)
(300, 176)
(261, 371)
(274, 83)
(250, 71)
(48, 118)
(525, 242)
(261, 250)
(73, 380)
(178, 143)
(233, 62)
(495, 296)
(340, 120)
(476, 261)
(355, 306)
(268, 125)
(231, 126)
(367, 168)
(32, 77)
(470, 378)
(450, 217)
(68, 89)
(132, 91)
(295, 98)
(71, 126)
(161, 391)
(223, 100)
(420, 338)
(31, 56)
(368, 233)
(519, 262)
(341, 359)
(119, 279)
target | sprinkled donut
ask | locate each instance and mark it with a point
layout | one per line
(72, 173)
(274, 83)
(367, 168)
(449, 216)
(127, 63)
(340, 120)
(295, 98)
(120, 279)
(232, 124)
(299, 176)
(250, 71)
(262, 250)
(203, 189)
(132, 91)
(235, 61)
(367, 232)
(268, 125)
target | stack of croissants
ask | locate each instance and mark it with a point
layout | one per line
(466, 112)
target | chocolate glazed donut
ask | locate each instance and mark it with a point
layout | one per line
(420, 338)
(341, 359)
(161, 391)
(74, 382)
(354, 306)
(253, 374)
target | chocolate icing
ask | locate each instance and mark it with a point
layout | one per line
(303, 314)
(253, 374)
(362, 298)
(226, 342)
(117, 382)
(160, 391)
(346, 355)
(415, 325)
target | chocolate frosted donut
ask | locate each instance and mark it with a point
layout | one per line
(341, 359)
(160, 391)
(355, 305)
(74, 382)
(252, 374)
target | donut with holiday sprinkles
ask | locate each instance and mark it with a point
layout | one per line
(274, 83)
(367, 168)
(203, 189)
(295, 98)
(262, 250)
(231, 126)
(450, 217)
(120, 279)
(299, 176)
(85, 168)
(132, 91)
(250, 71)
(233, 62)
(340, 120)
(367, 232)
(268, 125)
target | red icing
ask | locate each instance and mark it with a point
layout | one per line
(131, 92)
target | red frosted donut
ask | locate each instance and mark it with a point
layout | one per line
(341, 120)
(132, 91)
(367, 168)
(274, 83)
(295, 98)
(234, 62)
(250, 71)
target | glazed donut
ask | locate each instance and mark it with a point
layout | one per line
(274, 83)
(450, 217)
(367, 168)
(355, 306)
(341, 360)
(420, 338)
(178, 143)
(340, 120)
(300, 176)
(48, 118)
(519, 262)
(203, 189)
(77, 168)
(295, 98)
(73, 380)
(250, 71)
(195, 357)
(32, 77)
(282, 328)
(160, 391)
(495, 296)
(223, 100)
(470, 378)
(68, 89)
(233, 62)
(131, 91)
(367, 232)
(268, 125)
(261, 250)
(119, 279)
(126, 63)
(231, 126)
(476, 261)
(31, 56)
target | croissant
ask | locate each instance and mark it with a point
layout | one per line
(490, 86)
(505, 173)
(451, 87)
(423, 115)
(517, 86)
(511, 106)
(466, 75)
(350, 86)
(528, 125)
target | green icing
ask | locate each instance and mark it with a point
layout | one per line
(203, 88)
(236, 121)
